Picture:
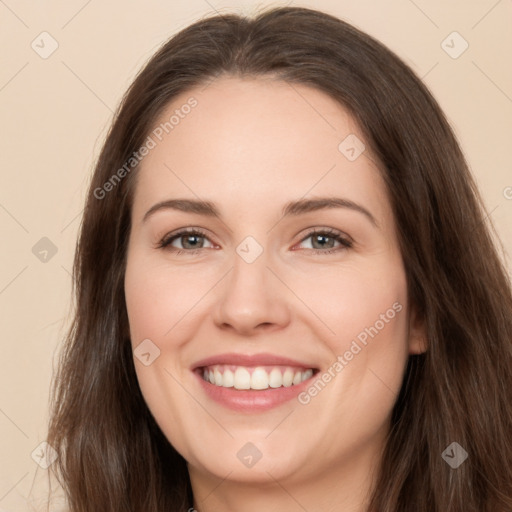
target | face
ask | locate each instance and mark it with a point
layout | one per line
(287, 290)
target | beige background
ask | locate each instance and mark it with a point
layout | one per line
(55, 113)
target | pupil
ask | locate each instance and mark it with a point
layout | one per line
(189, 237)
(320, 237)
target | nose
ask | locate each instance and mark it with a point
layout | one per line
(251, 299)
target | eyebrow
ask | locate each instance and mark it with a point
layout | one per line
(293, 208)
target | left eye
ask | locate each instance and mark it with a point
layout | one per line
(329, 235)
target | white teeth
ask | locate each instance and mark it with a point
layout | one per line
(275, 379)
(242, 379)
(287, 378)
(307, 374)
(260, 378)
(228, 379)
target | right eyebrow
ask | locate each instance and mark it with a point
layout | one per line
(185, 205)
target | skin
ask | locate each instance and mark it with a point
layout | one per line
(250, 146)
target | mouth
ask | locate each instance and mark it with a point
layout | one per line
(252, 383)
(254, 377)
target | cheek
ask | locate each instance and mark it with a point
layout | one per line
(354, 301)
(364, 316)
(370, 309)
(159, 297)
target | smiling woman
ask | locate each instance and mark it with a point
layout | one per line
(292, 302)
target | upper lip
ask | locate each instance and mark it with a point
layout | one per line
(263, 359)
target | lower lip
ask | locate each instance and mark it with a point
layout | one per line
(252, 400)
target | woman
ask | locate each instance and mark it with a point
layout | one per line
(287, 294)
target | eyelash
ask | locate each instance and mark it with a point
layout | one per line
(331, 233)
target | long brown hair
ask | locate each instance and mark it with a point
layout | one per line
(113, 456)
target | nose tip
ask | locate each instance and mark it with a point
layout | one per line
(251, 297)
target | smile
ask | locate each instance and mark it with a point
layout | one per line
(256, 378)
(253, 383)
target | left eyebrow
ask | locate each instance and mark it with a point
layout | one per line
(310, 205)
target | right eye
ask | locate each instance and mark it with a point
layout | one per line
(190, 237)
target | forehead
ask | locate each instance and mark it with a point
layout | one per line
(255, 140)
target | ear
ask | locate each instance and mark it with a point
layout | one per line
(417, 333)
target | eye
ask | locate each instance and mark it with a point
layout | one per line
(323, 240)
(191, 241)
